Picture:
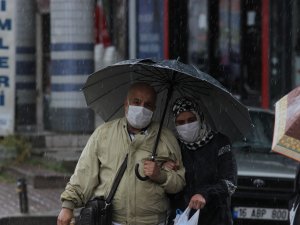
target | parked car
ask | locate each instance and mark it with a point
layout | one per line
(265, 178)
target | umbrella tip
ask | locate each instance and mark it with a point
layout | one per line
(178, 58)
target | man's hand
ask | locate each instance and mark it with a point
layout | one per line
(197, 202)
(65, 216)
(151, 169)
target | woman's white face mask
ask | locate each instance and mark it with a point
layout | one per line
(189, 132)
(138, 117)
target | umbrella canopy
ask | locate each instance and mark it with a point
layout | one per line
(286, 137)
(105, 92)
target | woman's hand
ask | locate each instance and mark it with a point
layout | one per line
(197, 202)
(171, 165)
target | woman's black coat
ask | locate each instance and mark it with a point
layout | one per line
(212, 172)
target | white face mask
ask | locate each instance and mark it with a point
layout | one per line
(189, 132)
(138, 117)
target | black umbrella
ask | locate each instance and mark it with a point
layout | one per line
(106, 89)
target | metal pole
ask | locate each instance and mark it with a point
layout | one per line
(22, 191)
(132, 28)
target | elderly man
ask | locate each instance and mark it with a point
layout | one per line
(135, 202)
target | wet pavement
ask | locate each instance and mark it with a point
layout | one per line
(40, 201)
(44, 186)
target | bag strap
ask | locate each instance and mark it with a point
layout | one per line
(117, 180)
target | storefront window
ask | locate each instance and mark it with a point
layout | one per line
(230, 45)
(198, 33)
(150, 29)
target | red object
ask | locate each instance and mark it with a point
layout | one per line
(101, 31)
(265, 96)
(166, 29)
(97, 24)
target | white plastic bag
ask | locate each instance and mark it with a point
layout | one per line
(292, 212)
(183, 219)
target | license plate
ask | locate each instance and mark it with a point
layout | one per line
(260, 213)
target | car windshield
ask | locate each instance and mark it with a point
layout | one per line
(260, 137)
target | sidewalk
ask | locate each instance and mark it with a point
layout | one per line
(40, 201)
(43, 202)
(43, 190)
(44, 186)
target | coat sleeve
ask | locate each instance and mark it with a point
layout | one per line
(173, 181)
(226, 176)
(85, 177)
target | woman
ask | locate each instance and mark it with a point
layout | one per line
(211, 171)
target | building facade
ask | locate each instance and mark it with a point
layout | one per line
(251, 47)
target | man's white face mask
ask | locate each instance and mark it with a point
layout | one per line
(138, 117)
(189, 132)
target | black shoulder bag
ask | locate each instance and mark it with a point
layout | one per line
(98, 211)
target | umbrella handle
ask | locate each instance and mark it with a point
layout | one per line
(137, 173)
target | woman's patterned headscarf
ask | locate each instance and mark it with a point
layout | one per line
(185, 104)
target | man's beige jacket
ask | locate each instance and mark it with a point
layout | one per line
(135, 202)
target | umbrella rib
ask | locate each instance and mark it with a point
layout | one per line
(159, 72)
(105, 78)
(187, 81)
(234, 104)
(120, 85)
(161, 89)
(192, 83)
(180, 92)
(191, 80)
(125, 73)
(199, 90)
(114, 113)
(160, 75)
(193, 88)
(164, 76)
(191, 92)
(153, 82)
(149, 80)
(161, 103)
(140, 72)
(109, 91)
